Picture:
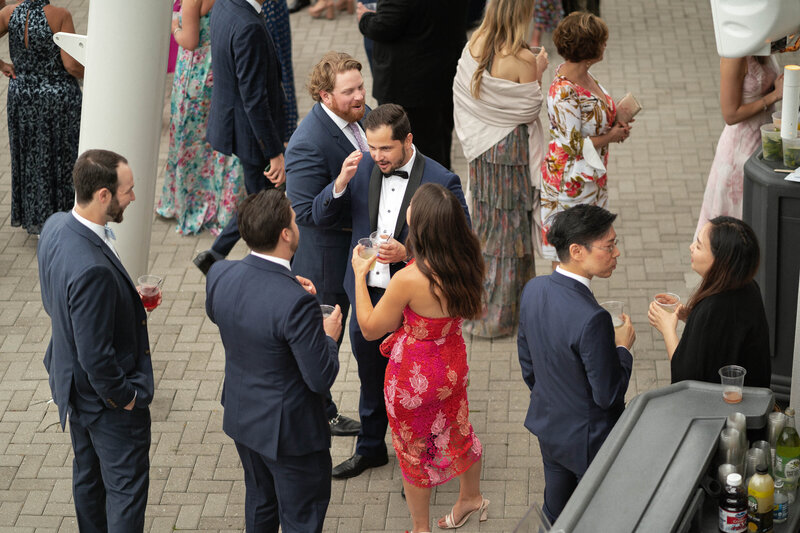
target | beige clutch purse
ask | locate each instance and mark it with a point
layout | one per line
(627, 108)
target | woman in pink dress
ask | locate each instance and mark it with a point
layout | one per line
(425, 387)
(748, 89)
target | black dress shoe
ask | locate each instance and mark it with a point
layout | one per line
(342, 426)
(297, 5)
(356, 465)
(204, 260)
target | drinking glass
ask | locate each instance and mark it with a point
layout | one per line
(149, 287)
(327, 310)
(615, 309)
(668, 301)
(367, 250)
(732, 377)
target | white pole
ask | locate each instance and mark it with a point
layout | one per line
(126, 51)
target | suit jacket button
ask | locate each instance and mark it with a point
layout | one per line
(147, 352)
(111, 403)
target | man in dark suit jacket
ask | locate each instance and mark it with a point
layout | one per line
(416, 48)
(575, 362)
(247, 105)
(280, 361)
(377, 192)
(314, 156)
(98, 359)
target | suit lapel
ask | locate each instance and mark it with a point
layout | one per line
(414, 180)
(375, 182)
(92, 237)
(332, 128)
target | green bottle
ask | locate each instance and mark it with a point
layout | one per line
(787, 456)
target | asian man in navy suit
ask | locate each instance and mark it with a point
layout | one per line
(98, 359)
(314, 156)
(280, 361)
(377, 191)
(247, 115)
(575, 362)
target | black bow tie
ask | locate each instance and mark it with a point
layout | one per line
(400, 173)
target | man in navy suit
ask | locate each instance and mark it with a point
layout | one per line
(575, 362)
(280, 361)
(247, 115)
(377, 192)
(314, 156)
(98, 359)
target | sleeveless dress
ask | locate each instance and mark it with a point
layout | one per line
(44, 120)
(736, 144)
(202, 187)
(502, 209)
(425, 390)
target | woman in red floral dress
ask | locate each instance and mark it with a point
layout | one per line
(425, 387)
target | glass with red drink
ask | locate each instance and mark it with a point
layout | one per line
(149, 288)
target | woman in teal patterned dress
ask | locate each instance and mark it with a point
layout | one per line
(201, 186)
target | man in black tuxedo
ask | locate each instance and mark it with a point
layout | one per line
(247, 116)
(416, 48)
(377, 189)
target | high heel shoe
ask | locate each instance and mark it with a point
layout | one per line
(450, 519)
(346, 5)
(321, 6)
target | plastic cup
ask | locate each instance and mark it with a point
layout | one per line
(791, 152)
(723, 471)
(380, 237)
(149, 288)
(668, 301)
(776, 120)
(771, 143)
(615, 309)
(327, 310)
(368, 250)
(732, 377)
(372, 6)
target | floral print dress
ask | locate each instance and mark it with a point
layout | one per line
(202, 187)
(425, 390)
(568, 178)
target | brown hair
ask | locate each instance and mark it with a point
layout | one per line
(734, 246)
(580, 36)
(262, 218)
(446, 250)
(323, 75)
(94, 170)
(391, 115)
(503, 32)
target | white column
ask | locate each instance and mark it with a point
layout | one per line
(126, 50)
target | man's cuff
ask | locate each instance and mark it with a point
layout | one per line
(338, 194)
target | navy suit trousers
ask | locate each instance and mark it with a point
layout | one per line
(371, 372)
(110, 471)
(254, 181)
(333, 298)
(559, 483)
(292, 492)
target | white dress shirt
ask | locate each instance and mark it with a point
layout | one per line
(255, 5)
(576, 277)
(99, 230)
(278, 260)
(342, 125)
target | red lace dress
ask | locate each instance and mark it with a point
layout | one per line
(425, 390)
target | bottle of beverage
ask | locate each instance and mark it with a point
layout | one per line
(760, 501)
(733, 506)
(787, 456)
(781, 511)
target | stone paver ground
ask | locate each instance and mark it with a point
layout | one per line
(664, 52)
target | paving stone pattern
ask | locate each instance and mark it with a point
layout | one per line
(664, 52)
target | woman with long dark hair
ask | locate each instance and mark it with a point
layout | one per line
(725, 319)
(427, 374)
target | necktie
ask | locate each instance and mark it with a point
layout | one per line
(109, 233)
(399, 173)
(353, 127)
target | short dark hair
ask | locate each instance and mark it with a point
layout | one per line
(582, 224)
(95, 170)
(262, 218)
(391, 115)
(580, 36)
(734, 246)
